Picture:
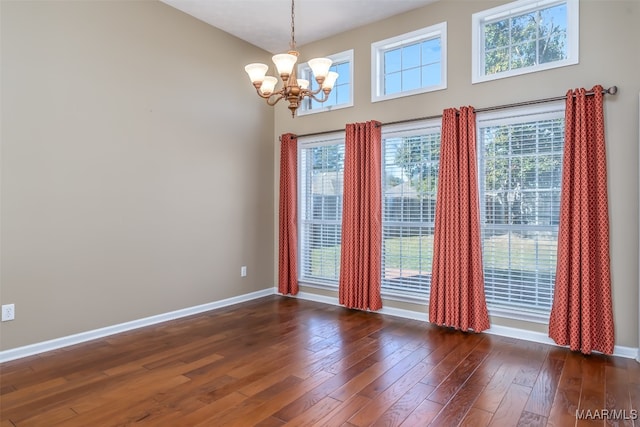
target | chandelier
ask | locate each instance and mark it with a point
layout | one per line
(293, 89)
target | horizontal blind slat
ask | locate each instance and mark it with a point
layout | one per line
(409, 196)
(322, 169)
(520, 173)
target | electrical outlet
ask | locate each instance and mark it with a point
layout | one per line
(8, 312)
(243, 271)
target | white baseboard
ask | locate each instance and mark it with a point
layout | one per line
(504, 331)
(41, 347)
(29, 350)
(539, 337)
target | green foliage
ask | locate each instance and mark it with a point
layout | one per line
(526, 154)
(522, 171)
(418, 157)
(328, 158)
(522, 41)
(392, 180)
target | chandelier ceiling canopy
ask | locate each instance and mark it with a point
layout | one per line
(294, 90)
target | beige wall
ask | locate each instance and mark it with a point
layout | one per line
(137, 167)
(136, 172)
(609, 55)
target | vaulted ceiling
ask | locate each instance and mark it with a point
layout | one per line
(267, 23)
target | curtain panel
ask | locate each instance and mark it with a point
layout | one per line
(361, 249)
(582, 313)
(288, 216)
(457, 284)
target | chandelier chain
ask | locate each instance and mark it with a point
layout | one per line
(293, 28)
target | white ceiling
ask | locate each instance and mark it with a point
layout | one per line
(267, 23)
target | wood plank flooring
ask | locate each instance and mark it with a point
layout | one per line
(282, 361)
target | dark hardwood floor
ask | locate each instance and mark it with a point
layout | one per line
(282, 361)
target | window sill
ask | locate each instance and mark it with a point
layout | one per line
(523, 315)
(481, 78)
(494, 311)
(378, 98)
(302, 112)
(318, 285)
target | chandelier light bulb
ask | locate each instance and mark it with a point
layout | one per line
(320, 67)
(268, 85)
(284, 63)
(256, 72)
(330, 80)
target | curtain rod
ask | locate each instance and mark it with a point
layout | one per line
(610, 91)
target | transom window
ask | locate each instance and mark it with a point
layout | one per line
(409, 64)
(341, 95)
(523, 37)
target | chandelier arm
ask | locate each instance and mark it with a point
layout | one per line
(278, 95)
(314, 92)
(261, 95)
(323, 99)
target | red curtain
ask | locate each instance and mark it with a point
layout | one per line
(360, 254)
(288, 239)
(457, 285)
(582, 313)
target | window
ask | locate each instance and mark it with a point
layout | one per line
(410, 173)
(321, 172)
(519, 166)
(341, 95)
(520, 160)
(409, 64)
(523, 37)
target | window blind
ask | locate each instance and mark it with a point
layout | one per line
(410, 173)
(321, 179)
(520, 178)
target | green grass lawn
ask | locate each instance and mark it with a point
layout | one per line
(496, 253)
(506, 251)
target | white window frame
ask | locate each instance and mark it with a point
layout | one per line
(304, 72)
(517, 8)
(492, 118)
(502, 117)
(334, 138)
(420, 128)
(377, 60)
